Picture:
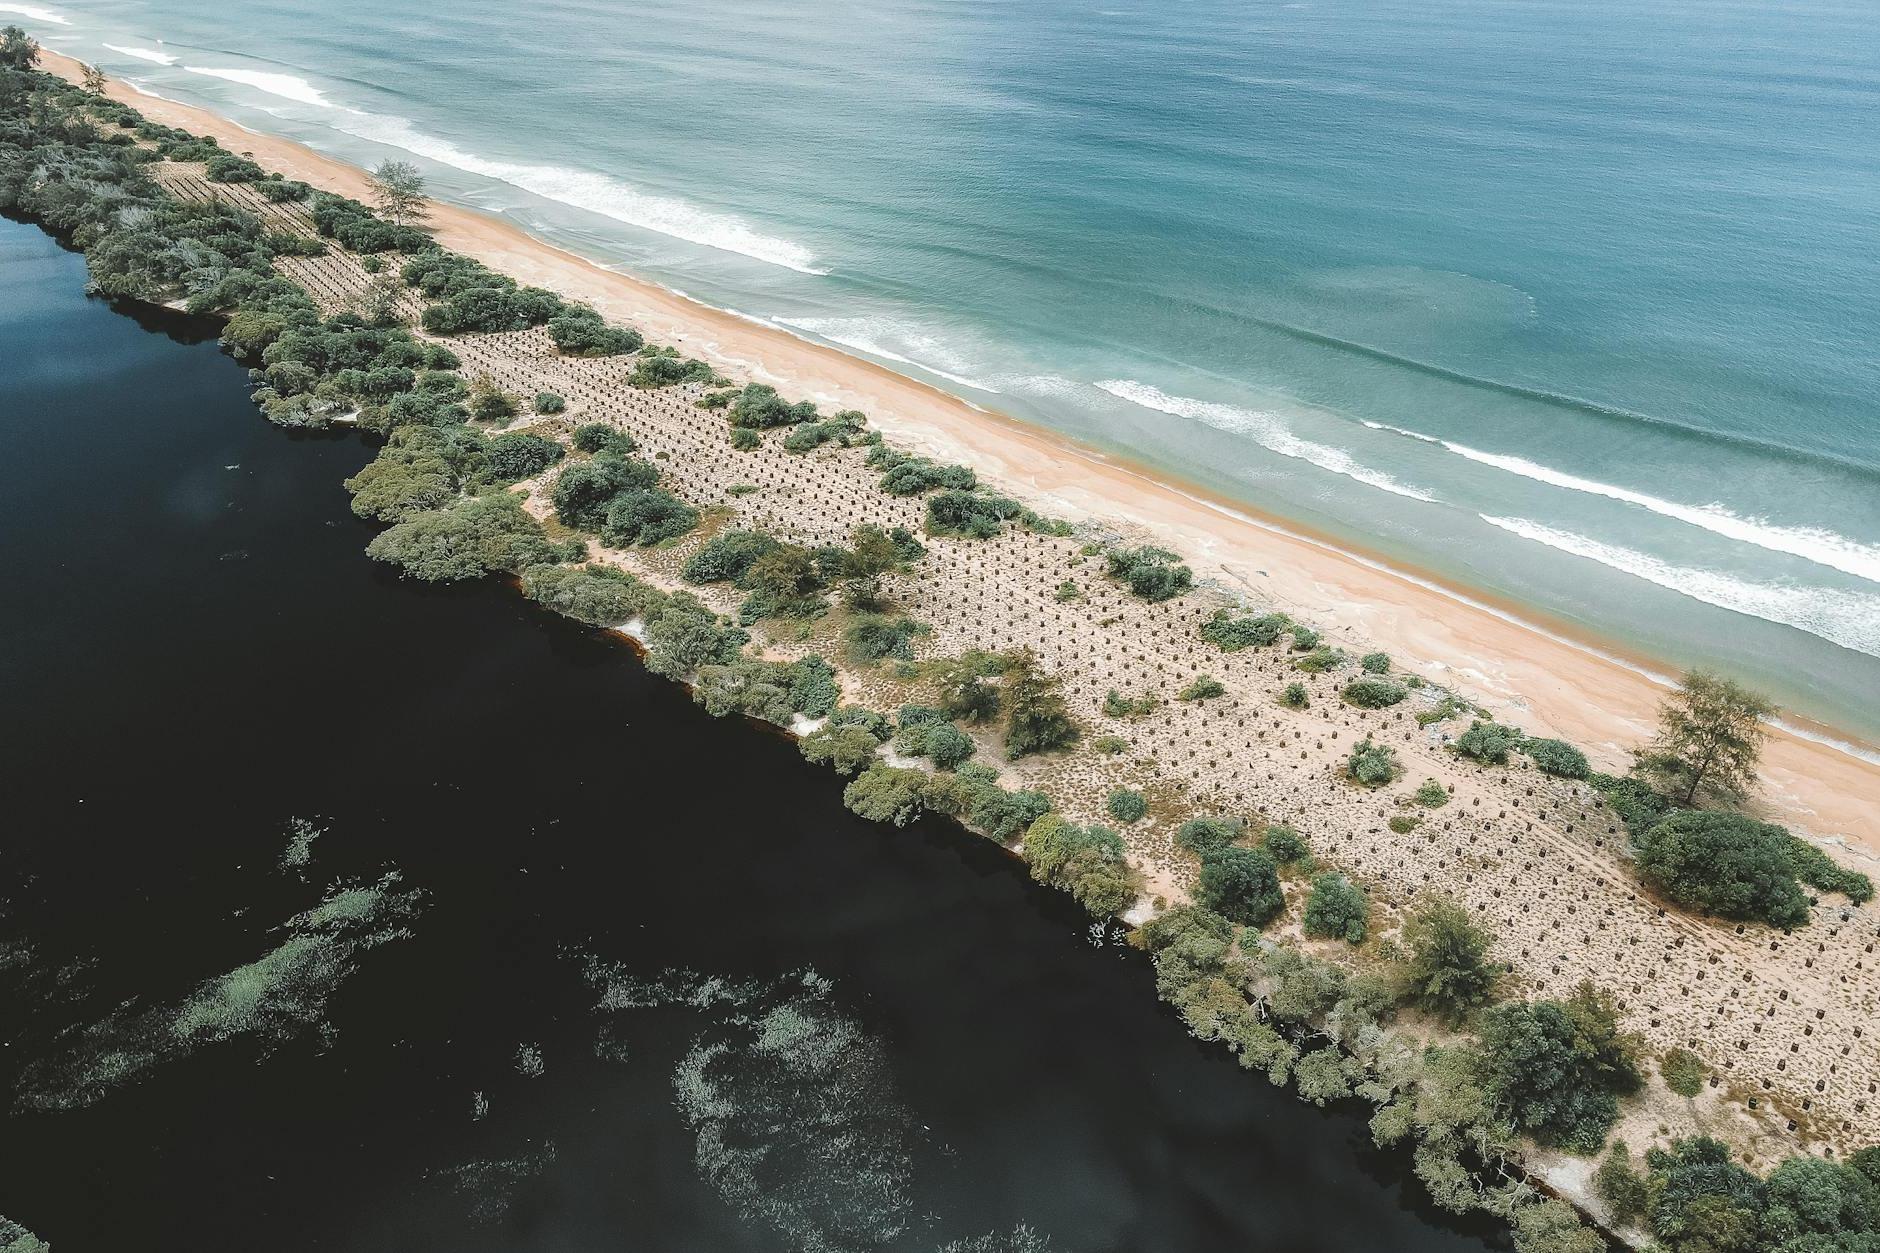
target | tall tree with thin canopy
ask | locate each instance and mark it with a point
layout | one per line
(1710, 737)
(398, 191)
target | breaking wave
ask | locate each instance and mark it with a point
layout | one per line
(1850, 619)
(1266, 429)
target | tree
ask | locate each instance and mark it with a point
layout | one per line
(1241, 884)
(1448, 973)
(17, 50)
(1710, 736)
(1555, 1069)
(1337, 909)
(92, 78)
(1725, 864)
(398, 191)
(1040, 720)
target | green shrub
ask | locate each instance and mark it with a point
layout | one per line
(1432, 795)
(646, 517)
(1285, 845)
(1230, 632)
(1621, 1187)
(1556, 1069)
(584, 492)
(471, 537)
(1116, 705)
(1374, 693)
(1202, 836)
(1684, 1072)
(1294, 697)
(1088, 862)
(1154, 574)
(1242, 885)
(846, 748)
(1725, 864)
(743, 439)
(873, 637)
(597, 595)
(727, 557)
(1448, 972)
(968, 515)
(1337, 910)
(1372, 764)
(915, 476)
(579, 332)
(1126, 805)
(1403, 824)
(520, 456)
(1488, 742)
(758, 407)
(1319, 660)
(1205, 687)
(1375, 663)
(1557, 757)
(549, 402)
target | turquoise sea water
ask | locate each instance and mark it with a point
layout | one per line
(1574, 302)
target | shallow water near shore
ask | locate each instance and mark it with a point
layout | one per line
(531, 967)
(1566, 302)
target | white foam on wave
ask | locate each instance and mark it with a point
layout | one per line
(866, 335)
(1265, 428)
(286, 86)
(144, 54)
(1850, 619)
(580, 189)
(1824, 547)
(36, 13)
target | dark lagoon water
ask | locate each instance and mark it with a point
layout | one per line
(501, 1047)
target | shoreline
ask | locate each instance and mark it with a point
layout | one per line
(1530, 671)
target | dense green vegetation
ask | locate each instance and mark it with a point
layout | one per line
(1154, 574)
(1372, 692)
(1241, 884)
(1448, 972)
(1556, 1069)
(1735, 867)
(1231, 632)
(968, 515)
(1337, 910)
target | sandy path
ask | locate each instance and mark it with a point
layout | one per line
(1539, 678)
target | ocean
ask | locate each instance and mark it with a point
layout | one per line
(1572, 303)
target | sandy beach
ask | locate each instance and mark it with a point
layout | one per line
(1530, 672)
